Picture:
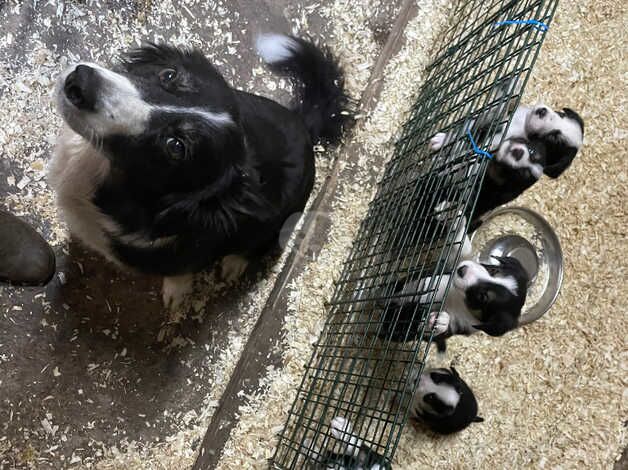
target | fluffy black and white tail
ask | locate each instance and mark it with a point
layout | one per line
(322, 99)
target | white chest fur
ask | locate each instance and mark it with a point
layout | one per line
(75, 172)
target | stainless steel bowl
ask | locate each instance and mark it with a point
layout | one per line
(516, 245)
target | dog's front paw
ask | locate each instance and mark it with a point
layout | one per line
(437, 142)
(232, 267)
(175, 289)
(439, 323)
(340, 428)
(441, 212)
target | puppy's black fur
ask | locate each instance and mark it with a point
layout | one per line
(431, 406)
(498, 308)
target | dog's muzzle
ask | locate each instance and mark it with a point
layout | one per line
(81, 87)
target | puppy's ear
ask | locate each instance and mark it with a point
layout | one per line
(498, 326)
(454, 371)
(555, 169)
(478, 419)
(571, 114)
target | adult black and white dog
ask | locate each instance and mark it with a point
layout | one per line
(539, 140)
(165, 168)
(443, 401)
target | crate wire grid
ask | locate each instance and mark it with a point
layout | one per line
(359, 369)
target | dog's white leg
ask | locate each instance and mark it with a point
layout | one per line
(438, 322)
(175, 289)
(342, 430)
(437, 142)
(232, 267)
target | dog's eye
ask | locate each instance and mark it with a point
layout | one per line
(429, 398)
(167, 76)
(175, 148)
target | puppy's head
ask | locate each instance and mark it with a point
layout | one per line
(444, 402)
(165, 118)
(525, 158)
(561, 132)
(494, 293)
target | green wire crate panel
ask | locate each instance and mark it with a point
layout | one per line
(365, 363)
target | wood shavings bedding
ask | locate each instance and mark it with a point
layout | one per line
(552, 393)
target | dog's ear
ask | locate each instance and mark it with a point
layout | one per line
(454, 371)
(555, 169)
(478, 419)
(499, 325)
(571, 114)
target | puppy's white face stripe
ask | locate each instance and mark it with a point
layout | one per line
(569, 129)
(504, 155)
(475, 273)
(445, 393)
(121, 109)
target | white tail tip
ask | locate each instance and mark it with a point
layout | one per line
(274, 48)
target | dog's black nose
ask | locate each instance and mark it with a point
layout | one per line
(461, 271)
(517, 153)
(81, 87)
(541, 112)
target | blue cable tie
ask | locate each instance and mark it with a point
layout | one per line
(536, 23)
(477, 149)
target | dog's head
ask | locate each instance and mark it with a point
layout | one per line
(561, 132)
(526, 159)
(495, 293)
(164, 117)
(444, 402)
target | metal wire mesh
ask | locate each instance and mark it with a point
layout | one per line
(370, 351)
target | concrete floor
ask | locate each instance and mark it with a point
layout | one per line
(80, 368)
(79, 364)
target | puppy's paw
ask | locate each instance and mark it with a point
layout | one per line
(175, 289)
(437, 142)
(441, 211)
(232, 268)
(439, 323)
(341, 428)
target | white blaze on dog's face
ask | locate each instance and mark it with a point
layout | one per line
(519, 155)
(436, 393)
(163, 116)
(560, 132)
(566, 125)
(97, 102)
(494, 294)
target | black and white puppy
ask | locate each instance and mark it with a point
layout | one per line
(353, 455)
(444, 402)
(165, 168)
(539, 140)
(482, 297)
